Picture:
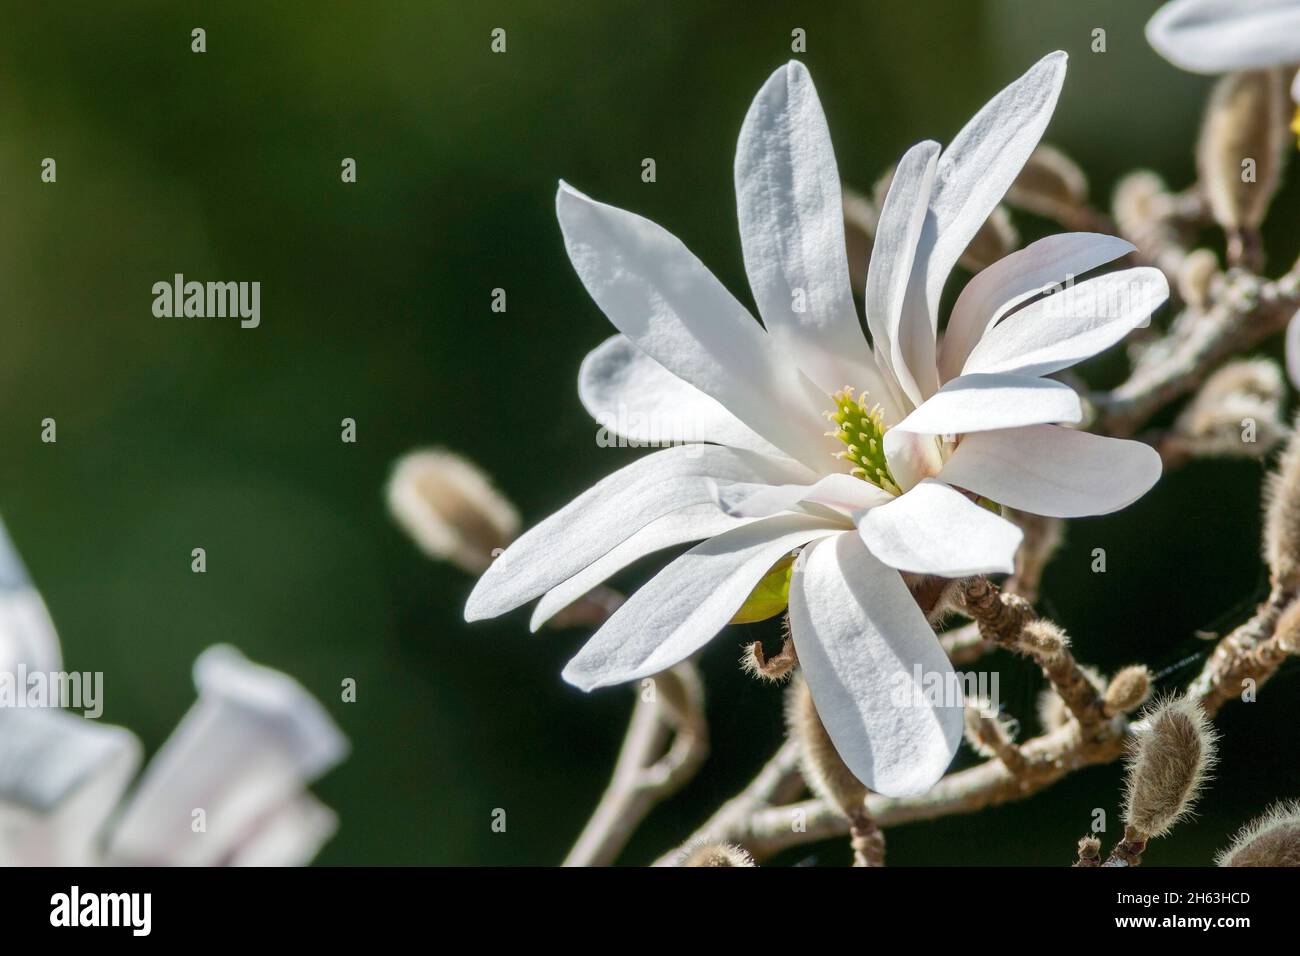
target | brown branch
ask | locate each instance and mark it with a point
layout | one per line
(645, 773)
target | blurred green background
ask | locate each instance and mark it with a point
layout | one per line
(175, 433)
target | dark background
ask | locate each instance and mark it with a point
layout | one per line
(183, 433)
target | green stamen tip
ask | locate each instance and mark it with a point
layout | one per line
(862, 430)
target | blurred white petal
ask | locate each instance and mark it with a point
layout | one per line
(60, 778)
(252, 742)
(1222, 36)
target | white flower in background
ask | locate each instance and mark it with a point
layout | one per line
(1223, 36)
(243, 755)
(925, 438)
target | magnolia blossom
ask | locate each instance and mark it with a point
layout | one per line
(1222, 36)
(925, 440)
(228, 786)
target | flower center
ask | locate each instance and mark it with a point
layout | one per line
(862, 429)
(1295, 125)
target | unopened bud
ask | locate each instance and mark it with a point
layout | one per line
(1050, 184)
(1127, 690)
(1237, 413)
(450, 509)
(1241, 148)
(1196, 275)
(1282, 518)
(717, 854)
(1272, 840)
(1168, 764)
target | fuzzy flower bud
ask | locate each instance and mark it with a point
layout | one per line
(450, 509)
(1128, 690)
(1168, 764)
(717, 854)
(1050, 185)
(1282, 518)
(1196, 276)
(1241, 148)
(1271, 840)
(1236, 414)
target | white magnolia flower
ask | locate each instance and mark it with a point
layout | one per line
(1223, 36)
(925, 437)
(228, 787)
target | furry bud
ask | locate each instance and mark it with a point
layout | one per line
(823, 769)
(1282, 518)
(1128, 690)
(450, 509)
(1196, 276)
(1241, 148)
(1237, 413)
(1287, 630)
(1089, 851)
(1043, 639)
(717, 854)
(1050, 185)
(1272, 840)
(1168, 764)
(1140, 201)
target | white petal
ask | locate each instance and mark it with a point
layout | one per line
(635, 397)
(912, 457)
(611, 511)
(1220, 36)
(1053, 471)
(689, 524)
(252, 742)
(1071, 325)
(1011, 280)
(27, 634)
(1293, 350)
(792, 230)
(672, 308)
(904, 350)
(843, 493)
(1295, 87)
(291, 836)
(864, 645)
(934, 529)
(689, 601)
(978, 403)
(60, 779)
(975, 172)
